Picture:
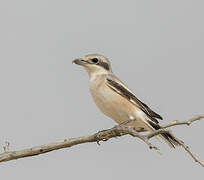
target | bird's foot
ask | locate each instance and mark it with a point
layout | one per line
(102, 136)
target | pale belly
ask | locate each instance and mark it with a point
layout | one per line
(115, 106)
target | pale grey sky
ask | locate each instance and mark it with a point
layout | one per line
(156, 47)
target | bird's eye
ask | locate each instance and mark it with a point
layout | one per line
(94, 60)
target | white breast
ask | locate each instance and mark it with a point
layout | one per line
(109, 102)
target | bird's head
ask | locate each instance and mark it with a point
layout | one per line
(94, 64)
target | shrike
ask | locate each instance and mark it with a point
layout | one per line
(115, 100)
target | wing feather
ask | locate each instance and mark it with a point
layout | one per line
(116, 85)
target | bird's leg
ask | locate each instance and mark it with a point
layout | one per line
(141, 129)
(105, 136)
(127, 121)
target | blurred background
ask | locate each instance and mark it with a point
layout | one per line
(156, 47)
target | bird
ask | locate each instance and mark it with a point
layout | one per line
(117, 101)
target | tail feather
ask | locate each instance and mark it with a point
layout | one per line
(168, 137)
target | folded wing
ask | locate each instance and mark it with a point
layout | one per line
(116, 85)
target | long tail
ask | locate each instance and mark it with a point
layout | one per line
(168, 136)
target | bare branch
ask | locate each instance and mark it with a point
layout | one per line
(188, 122)
(189, 151)
(104, 135)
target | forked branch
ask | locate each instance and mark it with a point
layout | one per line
(104, 135)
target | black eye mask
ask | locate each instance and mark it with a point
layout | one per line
(104, 65)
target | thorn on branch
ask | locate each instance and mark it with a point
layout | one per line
(6, 147)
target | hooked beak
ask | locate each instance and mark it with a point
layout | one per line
(79, 61)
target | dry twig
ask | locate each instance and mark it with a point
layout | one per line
(104, 135)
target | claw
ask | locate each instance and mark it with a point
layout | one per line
(98, 142)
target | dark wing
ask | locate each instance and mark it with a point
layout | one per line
(116, 85)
